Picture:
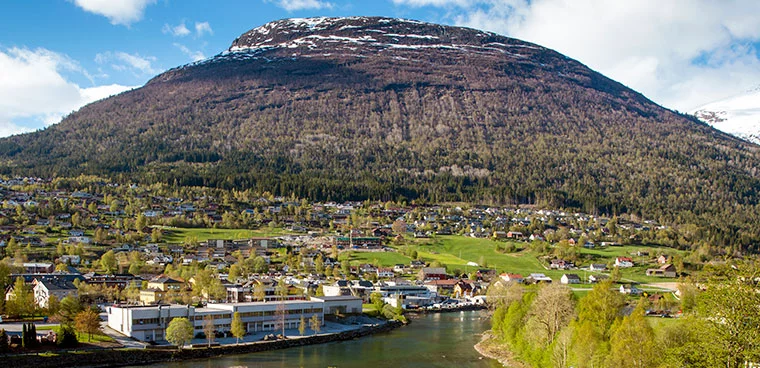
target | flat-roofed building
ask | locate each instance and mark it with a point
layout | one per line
(149, 323)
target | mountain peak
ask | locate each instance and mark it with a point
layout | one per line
(359, 34)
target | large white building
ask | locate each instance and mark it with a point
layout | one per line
(149, 323)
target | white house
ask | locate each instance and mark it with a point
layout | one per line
(570, 278)
(623, 262)
(43, 290)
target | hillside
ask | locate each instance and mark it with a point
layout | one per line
(354, 108)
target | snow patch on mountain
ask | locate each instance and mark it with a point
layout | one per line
(738, 115)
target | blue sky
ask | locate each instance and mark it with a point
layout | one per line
(56, 55)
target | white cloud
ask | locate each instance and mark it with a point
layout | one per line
(34, 89)
(179, 30)
(294, 5)
(203, 27)
(124, 12)
(121, 61)
(680, 53)
(193, 55)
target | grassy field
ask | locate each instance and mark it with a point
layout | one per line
(178, 235)
(384, 259)
(456, 251)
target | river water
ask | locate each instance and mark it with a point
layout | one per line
(433, 340)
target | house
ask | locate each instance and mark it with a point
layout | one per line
(499, 235)
(597, 278)
(570, 278)
(536, 237)
(44, 289)
(161, 289)
(465, 289)
(597, 267)
(623, 262)
(538, 278)
(70, 259)
(486, 274)
(385, 272)
(561, 264)
(441, 286)
(512, 277)
(432, 273)
(630, 289)
(38, 267)
(515, 235)
(667, 270)
(664, 259)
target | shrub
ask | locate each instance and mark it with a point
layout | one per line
(67, 337)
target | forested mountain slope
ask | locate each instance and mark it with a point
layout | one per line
(353, 108)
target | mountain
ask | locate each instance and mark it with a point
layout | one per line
(738, 115)
(354, 108)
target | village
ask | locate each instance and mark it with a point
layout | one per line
(145, 255)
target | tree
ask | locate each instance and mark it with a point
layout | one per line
(601, 307)
(235, 273)
(87, 321)
(4, 344)
(179, 332)
(237, 328)
(66, 337)
(70, 307)
(345, 266)
(155, 235)
(209, 329)
(632, 342)
(551, 311)
(301, 325)
(731, 311)
(134, 268)
(399, 227)
(615, 274)
(282, 289)
(259, 292)
(141, 222)
(108, 261)
(315, 324)
(22, 301)
(279, 317)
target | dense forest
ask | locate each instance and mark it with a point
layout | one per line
(369, 108)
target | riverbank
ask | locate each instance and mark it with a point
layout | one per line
(466, 308)
(489, 347)
(109, 358)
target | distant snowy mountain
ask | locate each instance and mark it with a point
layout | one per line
(738, 115)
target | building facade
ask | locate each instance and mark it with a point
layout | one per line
(149, 323)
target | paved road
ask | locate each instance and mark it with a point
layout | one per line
(18, 326)
(121, 339)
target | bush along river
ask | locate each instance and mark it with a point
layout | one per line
(430, 340)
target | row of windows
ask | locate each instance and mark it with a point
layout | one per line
(307, 311)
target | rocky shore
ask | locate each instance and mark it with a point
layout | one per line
(490, 348)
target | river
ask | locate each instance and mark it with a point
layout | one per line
(443, 340)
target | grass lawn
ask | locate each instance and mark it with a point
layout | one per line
(658, 323)
(178, 235)
(384, 259)
(456, 251)
(81, 337)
